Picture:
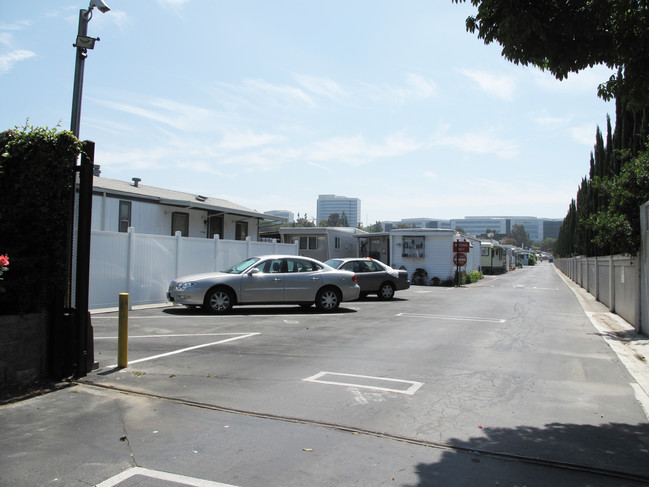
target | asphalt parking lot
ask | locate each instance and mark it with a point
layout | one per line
(505, 382)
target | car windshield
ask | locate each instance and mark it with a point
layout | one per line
(334, 263)
(241, 266)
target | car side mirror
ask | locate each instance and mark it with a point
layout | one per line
(254, 271)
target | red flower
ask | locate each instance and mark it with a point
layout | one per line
(4, 261)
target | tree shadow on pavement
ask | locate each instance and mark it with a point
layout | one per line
(558, 455)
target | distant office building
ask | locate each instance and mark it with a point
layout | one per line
(537, 228)
(416, 223)
(290, 217)
(551, 227)
(473, 225)
(330, 203)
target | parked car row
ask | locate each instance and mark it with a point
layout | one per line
(288, 279)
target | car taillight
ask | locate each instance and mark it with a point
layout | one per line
(355, 279)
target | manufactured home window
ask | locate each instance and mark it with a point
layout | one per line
(241, 231)
(336, 242)
(180, 223)
(124, 216)
(311, 243)
(485, 251)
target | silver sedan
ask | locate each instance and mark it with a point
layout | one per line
(270, 279)
(374, 277)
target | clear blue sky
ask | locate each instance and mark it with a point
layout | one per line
(271, 103)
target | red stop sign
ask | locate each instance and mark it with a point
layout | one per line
(459, 259)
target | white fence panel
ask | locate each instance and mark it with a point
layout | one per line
(152, 262)
(108, 269)
(613, 280)
(143, 265)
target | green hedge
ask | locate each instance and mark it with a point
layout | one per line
(37, 175)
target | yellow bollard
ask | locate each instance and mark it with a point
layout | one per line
(122, 332)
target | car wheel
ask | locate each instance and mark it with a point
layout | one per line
(327, 299)
(218, 301)
(386, 291)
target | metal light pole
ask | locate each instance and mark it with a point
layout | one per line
(82, 44)
(81, 360)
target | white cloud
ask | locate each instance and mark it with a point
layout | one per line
(487, 142)
(6, 38)
(419, 87)
(500, 86)
(18, 25)
(357, 150)
(322, 87)
(177, 115)
(173, 5)
(548, 120)
(7, 61)
(240, 140)
(281, 92)
(416, 87)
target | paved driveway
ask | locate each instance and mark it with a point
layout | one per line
(504, 382)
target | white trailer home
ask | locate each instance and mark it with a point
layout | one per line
(119, 205)
(431, 249)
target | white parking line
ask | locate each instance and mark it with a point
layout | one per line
(195, 347)
(413, 385)
(155, 474)
(452, 318)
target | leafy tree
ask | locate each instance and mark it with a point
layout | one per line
(376, 227)
(617, 226)
(302, 222)
(344, 221)
(519, 234)
(547, 244)
(36, 205)
(333, 220)
(565, 37)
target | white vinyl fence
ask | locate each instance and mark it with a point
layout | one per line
(613, 280)
(620, 282)
(142, 265)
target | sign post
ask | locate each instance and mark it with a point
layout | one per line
(459, 259)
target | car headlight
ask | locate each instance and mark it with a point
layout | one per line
(185, 285)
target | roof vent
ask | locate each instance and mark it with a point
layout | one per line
(136, 181)
(201, 198)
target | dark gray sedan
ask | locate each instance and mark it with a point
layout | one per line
(374, 277)
(270, 279)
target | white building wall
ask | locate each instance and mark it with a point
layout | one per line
(348, 245)
(155, 219)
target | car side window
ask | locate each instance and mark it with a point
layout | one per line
(272, 266)
(350, 266)
(372, 267)
(298, 265)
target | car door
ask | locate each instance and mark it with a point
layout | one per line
(303, 279)
(373, 274)
(264, 283)
(366, 273)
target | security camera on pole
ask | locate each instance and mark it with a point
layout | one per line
(82, 44)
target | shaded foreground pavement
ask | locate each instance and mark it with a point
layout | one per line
(89, 434)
